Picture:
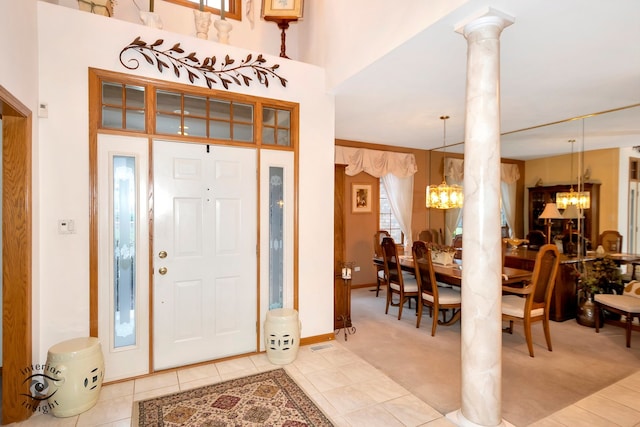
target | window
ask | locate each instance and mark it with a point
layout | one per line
(202, 116)
(233, 8)
(276, 127)
(196, 114)
(388, 221)
(123, 106)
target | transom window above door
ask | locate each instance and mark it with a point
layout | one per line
(232, 8)
(133, 105)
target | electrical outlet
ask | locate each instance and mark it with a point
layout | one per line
(356, 268)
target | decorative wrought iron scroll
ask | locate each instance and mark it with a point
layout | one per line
(225, 74)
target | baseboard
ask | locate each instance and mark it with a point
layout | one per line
(364, 285)
(317, 338)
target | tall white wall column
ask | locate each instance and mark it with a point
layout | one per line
(482, 259)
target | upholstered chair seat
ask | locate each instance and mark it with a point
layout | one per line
(627, 306)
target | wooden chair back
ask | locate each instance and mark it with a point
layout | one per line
(611, 240)
(391, 261)
(425, 276)
(426, 236)
(544, 275)
(377, 239)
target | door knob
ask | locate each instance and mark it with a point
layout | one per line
(162, 270)
(162, 254)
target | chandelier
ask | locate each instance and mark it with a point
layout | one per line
(444, 196)
(581, 199)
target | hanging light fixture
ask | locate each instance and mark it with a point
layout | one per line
(582, 199)
(444, 196)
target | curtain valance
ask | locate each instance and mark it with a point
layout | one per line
(374, 162)
(454, 168)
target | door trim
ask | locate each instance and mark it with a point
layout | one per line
(16, 254)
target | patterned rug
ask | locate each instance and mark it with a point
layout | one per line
(267, 399)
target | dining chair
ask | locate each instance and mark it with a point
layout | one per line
(377, 252)
(426, 236)
(399, 283)
(625, 307)
(457, 243)
(536, 239)
(431, 295)
(532, 302)
(611, 240)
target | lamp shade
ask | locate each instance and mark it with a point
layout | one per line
(571, 212)
(550, 212)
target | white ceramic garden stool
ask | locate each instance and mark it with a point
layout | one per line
(78, 366)
(282, 335)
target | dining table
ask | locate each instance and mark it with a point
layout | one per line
(452, 273)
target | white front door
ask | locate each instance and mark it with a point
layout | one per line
(204, 252)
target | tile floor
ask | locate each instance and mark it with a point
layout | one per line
(348, 389)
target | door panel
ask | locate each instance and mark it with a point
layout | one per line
(205, 220)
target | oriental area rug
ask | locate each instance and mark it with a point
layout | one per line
(267, 399)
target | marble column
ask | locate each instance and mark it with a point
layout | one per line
(482, 257)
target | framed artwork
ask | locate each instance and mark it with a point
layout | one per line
(361, 198)
(282, 9)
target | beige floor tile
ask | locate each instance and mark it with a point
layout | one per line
(328, 379)
(200, 382)
(576, 416)
(239, 374)
(411, 411)
(156, 392)
(155, 381)
(234, 365)
(47, 420)
(112, 391)
(348, 399)
(623, 395)
(372, 416)
(107, 411)
(198, 372)
(613, 411)
(381, 389)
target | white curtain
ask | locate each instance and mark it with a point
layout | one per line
(395, 170)
(509, 175)
(400, 192)
(374, 162)
(454, 173)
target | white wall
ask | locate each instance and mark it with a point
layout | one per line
(19, 76)
(95, 41)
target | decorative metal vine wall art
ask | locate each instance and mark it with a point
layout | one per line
(225, 74)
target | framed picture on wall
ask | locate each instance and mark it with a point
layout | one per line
(291, 9)
(360, 198)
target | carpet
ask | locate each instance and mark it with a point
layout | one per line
(270, 398)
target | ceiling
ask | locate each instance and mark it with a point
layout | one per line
(559, 60)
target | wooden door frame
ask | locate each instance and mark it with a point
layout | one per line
(16, 255)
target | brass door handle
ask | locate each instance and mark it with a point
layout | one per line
(162, 254)
(162, 270)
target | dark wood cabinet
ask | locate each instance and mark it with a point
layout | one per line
(539, 196)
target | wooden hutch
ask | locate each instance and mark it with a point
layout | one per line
(539, 196)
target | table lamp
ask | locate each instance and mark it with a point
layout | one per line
(550, 212)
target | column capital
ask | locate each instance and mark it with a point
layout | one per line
(489, 16)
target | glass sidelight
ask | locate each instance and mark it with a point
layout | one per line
(276, 237)
(124, 250)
